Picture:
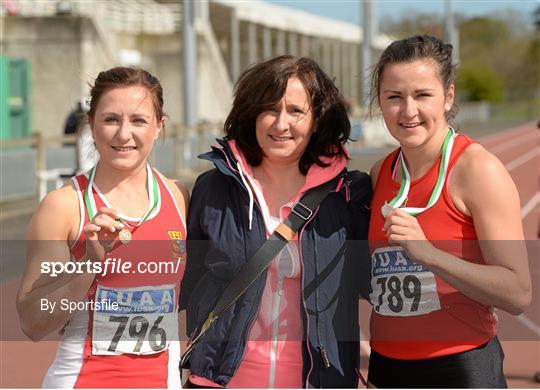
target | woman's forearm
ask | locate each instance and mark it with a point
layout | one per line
(491, 285)
(40, 310)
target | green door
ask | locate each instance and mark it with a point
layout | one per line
(14, 98)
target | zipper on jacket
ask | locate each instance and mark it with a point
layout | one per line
(303, 297)
(324, 356)
(322, 351)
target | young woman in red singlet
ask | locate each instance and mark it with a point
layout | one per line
(445, 234)
(116, 234)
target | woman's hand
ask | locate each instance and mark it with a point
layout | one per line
(404, 230)
(101, 233)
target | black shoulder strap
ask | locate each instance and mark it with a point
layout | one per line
(300, 214)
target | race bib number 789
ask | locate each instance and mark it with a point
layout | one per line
(401, 287)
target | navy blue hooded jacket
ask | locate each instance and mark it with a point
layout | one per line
(336, 269)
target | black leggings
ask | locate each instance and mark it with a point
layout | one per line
(481, 367)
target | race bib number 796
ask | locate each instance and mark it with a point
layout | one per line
(142, 320)
(401, 287)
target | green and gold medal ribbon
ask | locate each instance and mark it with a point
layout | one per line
(406, 181)
(154, 196)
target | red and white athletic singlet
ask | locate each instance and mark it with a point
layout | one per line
(416, 314)
(129, 337)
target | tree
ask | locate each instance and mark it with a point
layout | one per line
(494, 50)
(479, 36)
(479, 82)
(416, 23)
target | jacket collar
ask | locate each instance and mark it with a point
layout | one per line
(223, 158)
(316, 175)
(229, 159)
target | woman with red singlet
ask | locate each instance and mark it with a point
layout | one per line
(121, 211)
(445, 234)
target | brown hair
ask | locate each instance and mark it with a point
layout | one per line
(125, 77)
(263, 85)
(416, 48)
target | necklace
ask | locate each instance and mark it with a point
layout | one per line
(125, 235)
(403, 192)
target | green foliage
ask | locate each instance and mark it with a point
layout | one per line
(417, 23)
(529, 70)
(483, 32)
(497, 62)
(499, 54)
(479, 82)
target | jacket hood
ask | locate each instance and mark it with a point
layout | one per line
(231, 161)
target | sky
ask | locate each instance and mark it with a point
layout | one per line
(349, 10)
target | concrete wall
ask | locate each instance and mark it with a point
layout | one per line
(64, 54)
(162, 55)
(67, 52)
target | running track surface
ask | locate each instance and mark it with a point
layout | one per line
(24, 363)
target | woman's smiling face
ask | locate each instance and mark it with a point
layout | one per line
(283, 132)
(125, 126)
(413, 101)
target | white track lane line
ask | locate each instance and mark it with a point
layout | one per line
(515, 142)
(526, 322)
(522, 159)
(518, 131)
(530, 205)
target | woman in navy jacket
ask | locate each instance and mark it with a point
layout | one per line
(297, 324)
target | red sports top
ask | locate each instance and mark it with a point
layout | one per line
(417, 315)
(135, 344)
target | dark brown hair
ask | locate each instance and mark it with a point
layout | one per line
(263, 85)
(414, 48)
(125, 77)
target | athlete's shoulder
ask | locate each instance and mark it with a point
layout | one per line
(479, 176)
(56, 214)
(476, 162)
(64, 198)
(374, 171)
(179, 192)
(376, 168)
(177, 186)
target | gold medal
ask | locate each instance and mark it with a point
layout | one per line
(125, 236)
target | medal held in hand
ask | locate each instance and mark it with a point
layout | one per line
(125, 235)
(406, 181)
